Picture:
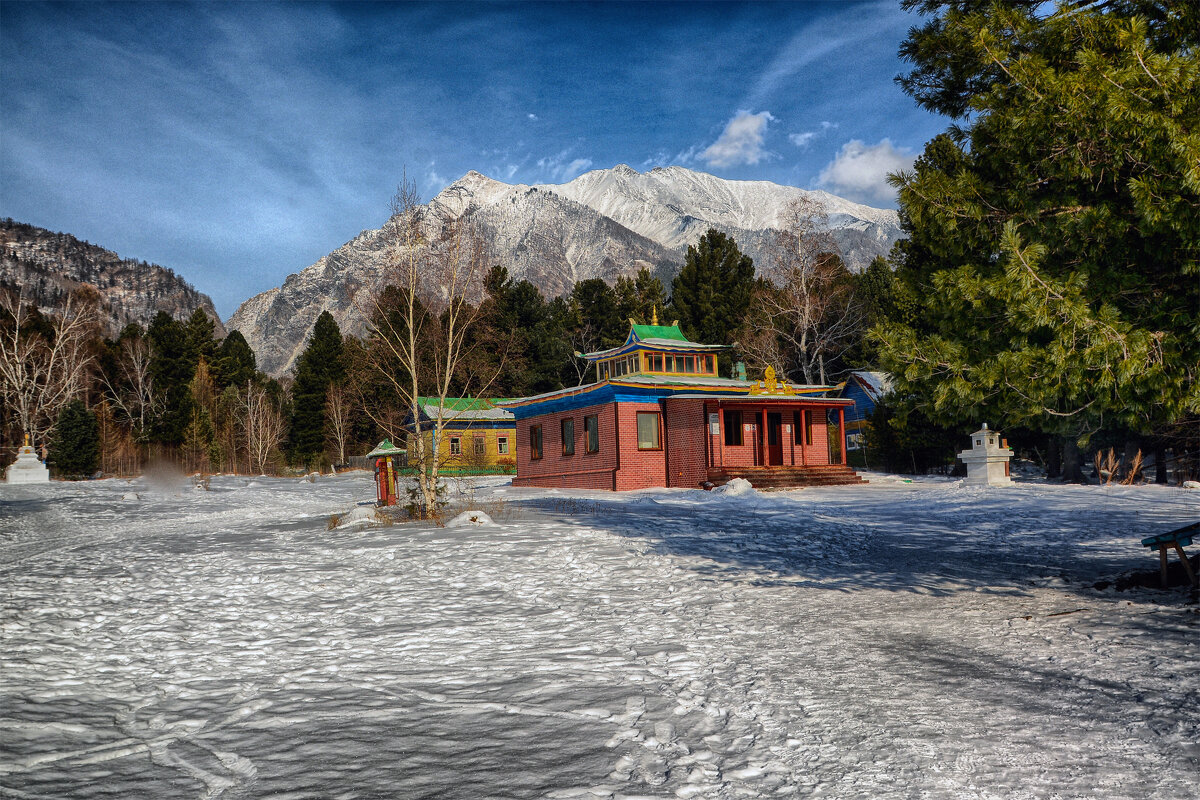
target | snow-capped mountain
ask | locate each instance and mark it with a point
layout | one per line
(603, 224)
(47, 266)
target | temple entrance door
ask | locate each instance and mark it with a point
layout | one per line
(774, 439)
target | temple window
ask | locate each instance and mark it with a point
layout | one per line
(733, 428)
(480, 446)
(568, 437)
(535, 442)
(708, 364)
(648, 430)
(591, 429)
(455, 446)
(502, 445)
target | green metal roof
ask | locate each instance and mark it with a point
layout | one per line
(462, 403)
(386, 448)
(659, 332)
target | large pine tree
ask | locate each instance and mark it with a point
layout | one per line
(322, 363)
(711, 294)
(1051, 276)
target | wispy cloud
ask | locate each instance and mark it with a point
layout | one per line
(860, 171)
(562, 167)
(741, 142)
(802, 140)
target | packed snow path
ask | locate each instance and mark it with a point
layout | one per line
(890, 640)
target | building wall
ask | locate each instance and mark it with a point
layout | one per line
(639, 469)
(580, 471)
(491, 459)
(687, 441)
(618, 465)
(747, 454)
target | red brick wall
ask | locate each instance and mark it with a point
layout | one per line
(687, 433)
(581, 471)
(640, 469)
(747, 454)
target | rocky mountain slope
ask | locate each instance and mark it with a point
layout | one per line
(48, 266)
(603, 224)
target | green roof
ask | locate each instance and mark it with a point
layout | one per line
(462, 403)
(659, 332)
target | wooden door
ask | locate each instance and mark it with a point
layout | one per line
(774, 439)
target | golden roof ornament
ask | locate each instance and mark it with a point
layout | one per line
(770, 385)
(654, 315)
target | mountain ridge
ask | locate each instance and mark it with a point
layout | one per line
(604, 223)
(47, 266)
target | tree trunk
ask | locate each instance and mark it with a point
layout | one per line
(1160, 465)
(1053, 457)
(1132, 448)
(1071, 467)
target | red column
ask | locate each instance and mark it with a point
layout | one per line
(721, 434)
(804, 412)
(842, 431)
(763, 433)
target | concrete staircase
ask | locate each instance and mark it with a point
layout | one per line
(788, 477)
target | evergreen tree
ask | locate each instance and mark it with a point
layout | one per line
(201, 341)
(711, 294)
(1052, 267)
(235, 363)
(171, 370)
(598, 324)
(640, 297)
(75, 442)
(321, 364)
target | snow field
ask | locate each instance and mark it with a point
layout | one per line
(896, 639)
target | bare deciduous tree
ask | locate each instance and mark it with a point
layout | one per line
(419, 342)
(806, 308)
(131, 391)
(40, 372)
(262, 425)
(338, 418)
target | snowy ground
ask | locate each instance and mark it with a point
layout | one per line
(922, 640)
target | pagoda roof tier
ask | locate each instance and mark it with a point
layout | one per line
(663, 338)
(650, 388)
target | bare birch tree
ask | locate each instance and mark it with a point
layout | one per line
(805, 309)
(338, 418)
(131, 390)
(420, 321)
(262, 425)
(40, 373)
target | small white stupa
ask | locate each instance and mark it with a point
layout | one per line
(987, 460)
(27, 468)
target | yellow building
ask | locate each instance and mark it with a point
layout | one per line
(477, 437)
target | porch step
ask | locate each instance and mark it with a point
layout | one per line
(788, 477)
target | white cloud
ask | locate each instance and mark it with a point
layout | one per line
(860, 172)
(562, 170)
(802, 139)
(533, 117)
(741, 142)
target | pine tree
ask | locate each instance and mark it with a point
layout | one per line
(75, 442)
(235, 363)
(171, 370)
(1051, 276)
(711, 294)
(321, 364)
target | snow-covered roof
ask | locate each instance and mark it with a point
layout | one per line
(876, 384)
(464, 408)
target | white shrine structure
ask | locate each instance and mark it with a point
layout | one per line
(987, 460)
(27, 468)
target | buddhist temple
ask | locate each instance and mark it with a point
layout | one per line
(657, 414)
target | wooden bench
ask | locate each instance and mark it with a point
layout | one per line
(1178, 539)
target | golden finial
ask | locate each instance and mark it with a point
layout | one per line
(654, 318)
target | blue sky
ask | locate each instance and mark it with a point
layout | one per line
(238, 143)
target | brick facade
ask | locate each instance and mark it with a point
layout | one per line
(583, 470)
